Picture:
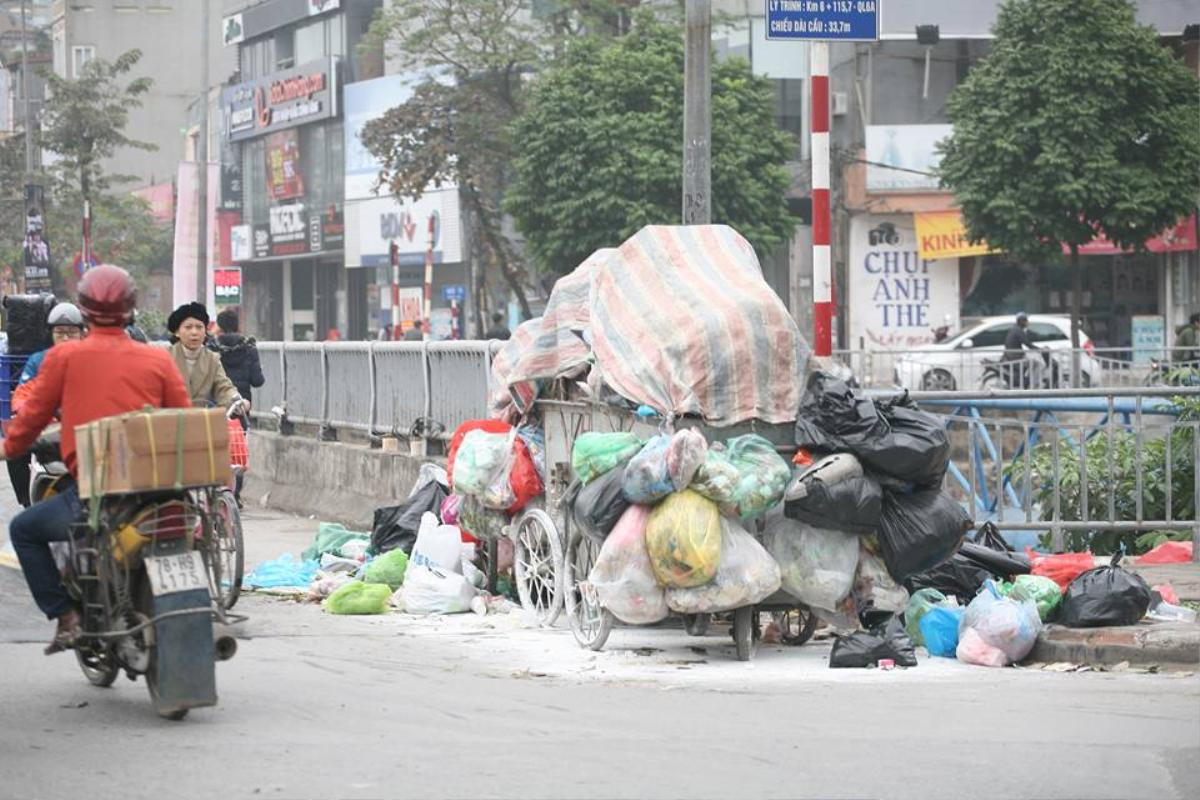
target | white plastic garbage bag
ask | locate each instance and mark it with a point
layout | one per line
(433, 590)
(437, 545)
(874, 587)
(816, 565)
(623, 578)
(996, 631)
(747, 575)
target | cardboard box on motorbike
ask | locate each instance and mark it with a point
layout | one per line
(151, 450)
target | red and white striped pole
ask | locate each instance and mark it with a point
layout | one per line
(822, 226)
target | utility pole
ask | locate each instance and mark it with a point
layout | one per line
(697, 114)
(202, 277)
(25, 91)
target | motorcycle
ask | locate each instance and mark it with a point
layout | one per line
(1171, 373)
(1030, 372)
(141, 568)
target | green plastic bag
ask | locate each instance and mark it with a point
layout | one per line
(763, 476)
(1041, 591)
(717, 479)
(330, 538)
(918, 606)
(357, 597)
(597, 453)
(387, 569)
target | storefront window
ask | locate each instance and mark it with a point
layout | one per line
(302, 285)
(311, 42)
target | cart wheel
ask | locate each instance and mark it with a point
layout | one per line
(696, 624)
(590, 623)
(743, 632)
(797, 625)
(537, 559)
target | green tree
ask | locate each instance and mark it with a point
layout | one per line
(601, 155)
(83, 123)
(475, 56)
(1078, 123)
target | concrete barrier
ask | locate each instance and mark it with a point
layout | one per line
(332, 481)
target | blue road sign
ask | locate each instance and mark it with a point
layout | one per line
(454, 292)
(832, 20)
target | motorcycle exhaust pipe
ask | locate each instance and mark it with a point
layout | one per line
(225, 647)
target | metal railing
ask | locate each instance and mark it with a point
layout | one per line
(931, 369)
(376, 388)
(1083, 463)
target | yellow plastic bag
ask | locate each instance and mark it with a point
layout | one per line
(684, 540)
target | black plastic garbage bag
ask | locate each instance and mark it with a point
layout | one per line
(598, 506)
(920, 530)
(864, 648)
(25, 322)
(833, 417)
(958, 576)
(397, 526)
(1005, 564)
(852, 505)
(1105, 596)
(915, 449)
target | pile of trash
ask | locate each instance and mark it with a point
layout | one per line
(416, 559)
(670, 513)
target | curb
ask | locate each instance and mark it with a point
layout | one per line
(1176, 644)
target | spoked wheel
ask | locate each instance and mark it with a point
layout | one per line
(590, 623)
(796, 625)
(743, 632)
(99, 666)
(227, 551)
(537, 560)
(696, 624)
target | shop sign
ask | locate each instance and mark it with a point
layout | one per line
(896, 297)
(240, 248)
(233, 30)
(36, 249)
(1148, 337)
(941, 234)
(903, 158)
(284, 181)
(293, 231)
(1180, 238)
(376, 224)
(321, 6)
(227, 286)
(307, 93)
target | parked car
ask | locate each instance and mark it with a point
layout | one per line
(958, 363)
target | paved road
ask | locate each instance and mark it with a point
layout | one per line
(316, 706)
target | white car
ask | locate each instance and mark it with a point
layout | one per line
(958, 363)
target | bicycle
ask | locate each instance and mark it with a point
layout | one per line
(224, 552)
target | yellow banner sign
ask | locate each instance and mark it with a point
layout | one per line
(941, 234)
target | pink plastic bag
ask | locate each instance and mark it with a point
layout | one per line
(972, 649)
(1168, 553)
(1167, 592)
(623, 577)
(449, 509)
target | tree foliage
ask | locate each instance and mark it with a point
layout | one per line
(601, 148)
(1078, 123)
(84, 120)
(83, 123)
(475, 56)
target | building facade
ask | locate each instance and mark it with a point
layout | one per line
(888, 113)
(282, 146)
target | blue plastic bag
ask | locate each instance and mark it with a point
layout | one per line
(939, 629)
(647, 478)
(283, 571)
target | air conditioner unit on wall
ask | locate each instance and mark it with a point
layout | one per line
(840, 103)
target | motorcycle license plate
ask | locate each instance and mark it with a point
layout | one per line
(176, 573)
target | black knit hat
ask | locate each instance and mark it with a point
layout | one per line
(187, 311)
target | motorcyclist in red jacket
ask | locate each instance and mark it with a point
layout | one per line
(105, 374)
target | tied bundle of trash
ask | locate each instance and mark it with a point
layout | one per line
(496, 464)
(668, 512)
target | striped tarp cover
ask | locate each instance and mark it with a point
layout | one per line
(678, 318)
(548, 346)
(682, 321)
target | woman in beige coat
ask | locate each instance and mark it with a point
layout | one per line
(206, 380)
